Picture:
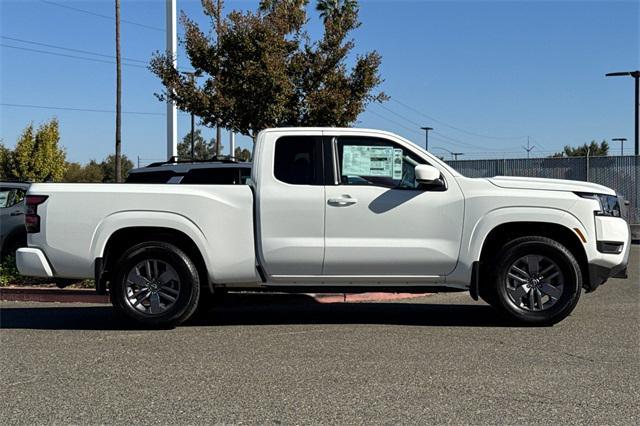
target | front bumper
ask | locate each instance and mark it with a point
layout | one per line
(32, 262)
(610, 264)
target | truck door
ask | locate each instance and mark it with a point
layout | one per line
(291, 206)
(382, 224)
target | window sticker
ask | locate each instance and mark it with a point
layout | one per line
(358, 160)
(397, 164)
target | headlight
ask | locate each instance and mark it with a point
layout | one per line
(609, 204)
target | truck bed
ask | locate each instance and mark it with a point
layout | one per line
(77, 220)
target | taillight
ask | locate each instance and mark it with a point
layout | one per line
(31, 218)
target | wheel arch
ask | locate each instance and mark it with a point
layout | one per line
(119, 232)
(505, 232)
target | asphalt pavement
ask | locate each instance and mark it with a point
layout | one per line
(288, 360)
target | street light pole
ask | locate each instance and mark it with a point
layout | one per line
(426, 130)
(622, 141)
(636, 76)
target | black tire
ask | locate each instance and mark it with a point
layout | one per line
(501, 288)
(185, 303)
(12, 245)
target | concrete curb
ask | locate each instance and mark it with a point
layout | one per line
(39, 294)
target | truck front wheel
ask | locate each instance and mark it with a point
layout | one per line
(535, 280)
(156, 284)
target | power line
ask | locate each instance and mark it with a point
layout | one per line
(69, 49)
(441, 135)
(88, 12)
(454, 141)
(455, 127)
(66, 55)
(78, 109)
(394, 122)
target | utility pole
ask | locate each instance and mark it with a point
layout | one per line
(118, 171)
(636, 76)
(218, 32)
(172, 111)
(622, 141)
(455, 154)
(426, 131)
(529, 147)
(232, 144)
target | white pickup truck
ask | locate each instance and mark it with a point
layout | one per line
(332, 210)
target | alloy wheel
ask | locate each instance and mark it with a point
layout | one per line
(152, 286)
(534, 283)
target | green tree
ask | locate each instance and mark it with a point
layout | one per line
(92, 172)
(5, 162)
(263, 70)
(203, 150)
(37, 156)
(594, 149)
(242, 154)
(108, 168)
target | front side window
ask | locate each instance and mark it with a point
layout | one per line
(298, 160)
(376, 161)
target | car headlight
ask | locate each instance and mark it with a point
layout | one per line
(609, 204)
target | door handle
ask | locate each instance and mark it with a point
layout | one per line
(16, 213)
(345, 200)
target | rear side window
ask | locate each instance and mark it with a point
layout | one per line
(217, 176)
(298, 160)
(150, 177)
(9, 197)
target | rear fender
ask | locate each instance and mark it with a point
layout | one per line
(131, 219)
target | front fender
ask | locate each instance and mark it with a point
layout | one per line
(475, 235)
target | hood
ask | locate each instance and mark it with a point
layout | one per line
(513, 182)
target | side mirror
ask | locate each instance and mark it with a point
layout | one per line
(426, 174)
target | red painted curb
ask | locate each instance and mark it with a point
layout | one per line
(39, 294)
(364, 297)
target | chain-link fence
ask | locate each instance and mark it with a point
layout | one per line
(621, 173)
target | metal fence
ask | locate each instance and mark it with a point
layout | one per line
(618, 172)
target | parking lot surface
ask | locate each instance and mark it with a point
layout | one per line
(271, 359)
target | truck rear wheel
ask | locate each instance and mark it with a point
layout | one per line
(535, 280)
(156, 284)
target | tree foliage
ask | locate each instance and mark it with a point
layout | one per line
(594, 149)
(203, 150)
(263, 70)
(5, 161)
(242, 154)
(37, 156)
(95, 172)
(109, 167)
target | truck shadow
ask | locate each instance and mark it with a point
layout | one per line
(263, 310)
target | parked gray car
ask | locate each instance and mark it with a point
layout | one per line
(12, 230)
